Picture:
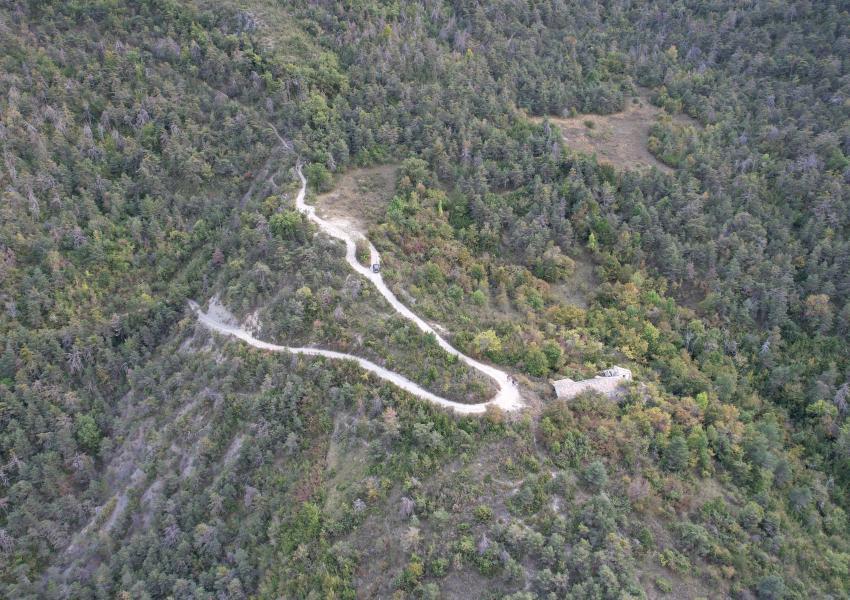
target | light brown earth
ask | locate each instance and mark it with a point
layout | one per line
(360, 197)
(619, 139)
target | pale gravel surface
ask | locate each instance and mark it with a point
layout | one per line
(218, 319)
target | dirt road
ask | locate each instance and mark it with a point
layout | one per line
(218, 319)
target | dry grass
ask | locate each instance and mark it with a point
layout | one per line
(360, 197)
(619, 139)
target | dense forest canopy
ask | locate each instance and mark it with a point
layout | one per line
(147, 159)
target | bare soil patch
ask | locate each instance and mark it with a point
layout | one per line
(619, 139)
(360, 197)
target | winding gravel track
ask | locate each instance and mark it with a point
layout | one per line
(217, 319)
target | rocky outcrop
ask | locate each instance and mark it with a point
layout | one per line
(608, 382)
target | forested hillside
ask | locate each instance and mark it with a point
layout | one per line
(148, 153)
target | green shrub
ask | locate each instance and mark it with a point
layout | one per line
(751, 516)
(88, 433)
(772, 587)
(594, 475)
(676, 454)
(483, 513)
(673, 560)
(536, 361)
(413, 572)
(319, 177)
(285, 224)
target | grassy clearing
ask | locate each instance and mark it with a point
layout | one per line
(620, 138)
(360, 196)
